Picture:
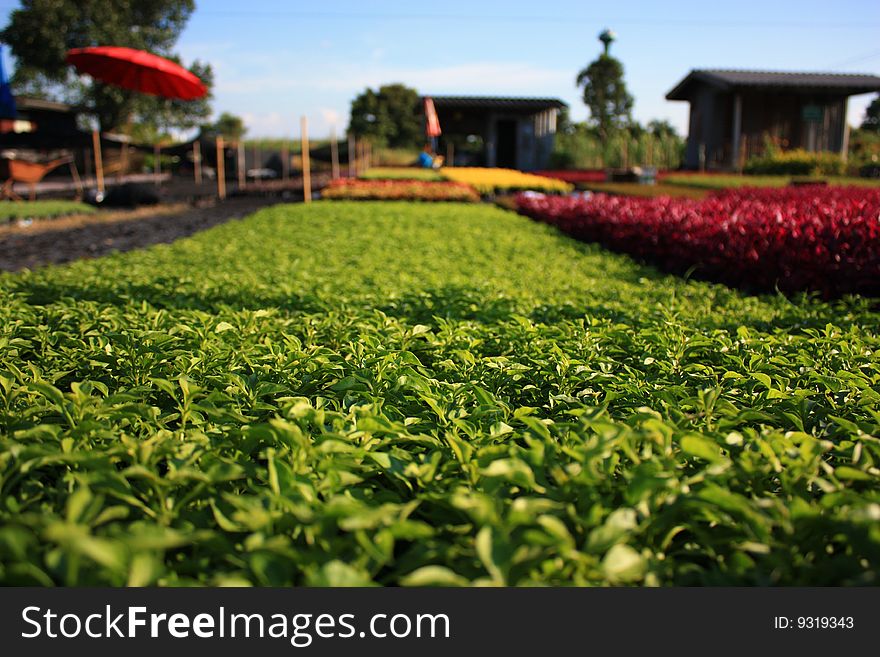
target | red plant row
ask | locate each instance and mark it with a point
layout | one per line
(825, 239)
(574, 176)
(398, 190)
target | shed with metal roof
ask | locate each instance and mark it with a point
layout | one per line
(493, 131)
(734, 113)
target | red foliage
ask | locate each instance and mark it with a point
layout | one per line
(398, 190)
(574, 176)
(825, 239)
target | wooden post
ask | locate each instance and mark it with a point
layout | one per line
(157, 163)
(240, 166)
(334, 154)
(221, 169)
(352, 172)
(197, 161)
(99, 166)
(285, 161)
(735, 161)
(307, 176)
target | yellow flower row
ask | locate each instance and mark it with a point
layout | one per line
(488, 181)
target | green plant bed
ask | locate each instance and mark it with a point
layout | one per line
(10, 210)
(392, 393)
(733, 181)
(645, 191)
(401, 173)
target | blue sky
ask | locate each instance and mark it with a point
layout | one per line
(276, 60)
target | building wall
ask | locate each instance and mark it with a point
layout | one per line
(776, 115)
(534, 133)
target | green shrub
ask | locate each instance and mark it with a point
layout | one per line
(797, 163)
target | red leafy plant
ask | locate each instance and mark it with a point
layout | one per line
(824, 239)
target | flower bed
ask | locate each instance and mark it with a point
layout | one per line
(491, 181)
(575, 176)
(401, 173)
(398, 190)
(810, 238)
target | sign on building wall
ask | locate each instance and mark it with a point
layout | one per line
(813, 113)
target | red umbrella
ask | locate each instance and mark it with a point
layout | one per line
(137, 70)
(432, 123)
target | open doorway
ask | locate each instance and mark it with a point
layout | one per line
(505, 151)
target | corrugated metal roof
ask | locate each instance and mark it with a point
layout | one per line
(845, 83)
(498, 102)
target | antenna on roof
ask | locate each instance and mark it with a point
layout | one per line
(607, 37)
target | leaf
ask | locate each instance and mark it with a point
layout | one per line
(433, 576)
(701, 447)
(515, 471)
(623, 565)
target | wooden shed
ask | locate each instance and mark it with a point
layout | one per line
(733, 113)
(515, 133)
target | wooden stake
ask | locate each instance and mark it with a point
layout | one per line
(352, 171)
(307, 176)
(157, 163)
(242, 174)
(334, 154)
(221, 169)
(197, 161)
(99, 166)
(285, 161)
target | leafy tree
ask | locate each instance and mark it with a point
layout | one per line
(872, 116)
(41, 32)
(388, 116)
(229, 126)
(662, 129)
(606, 96)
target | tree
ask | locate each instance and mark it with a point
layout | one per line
(662, 129)
(42, 31)
(229, 126)
(389, 116)
(872, 116)
(605, 92)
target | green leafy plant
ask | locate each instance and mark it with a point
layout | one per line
(10, 210)
(401, 394)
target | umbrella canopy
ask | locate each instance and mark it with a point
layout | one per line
(137, 70)
(432, 123)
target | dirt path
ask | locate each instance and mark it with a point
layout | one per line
(89, 236)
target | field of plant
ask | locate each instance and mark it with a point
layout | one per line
(401, 173)
(646, 191)
(10, 210)
(575, 176)
(494, 181)
(825, 239)
(733, 181)
(389, 393)
(398, 190)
